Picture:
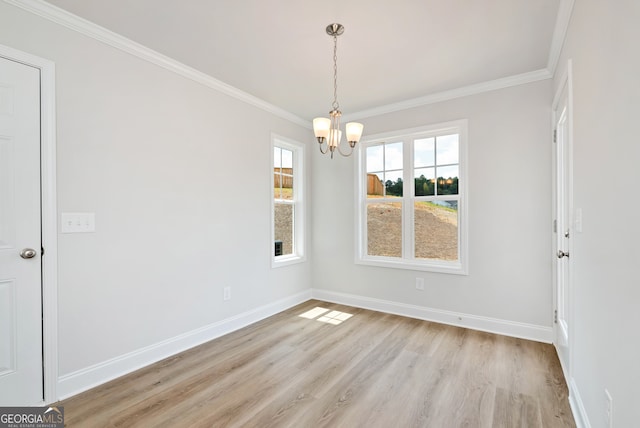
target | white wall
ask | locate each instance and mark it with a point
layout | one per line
(159, 159)
(178, 176)
(602, 41)
(509, 213)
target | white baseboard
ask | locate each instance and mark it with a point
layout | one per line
(577, 406)
(575, 402)
(87, 378)
(474, 322)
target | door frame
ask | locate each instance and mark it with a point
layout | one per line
(48, 217)
(564, 83)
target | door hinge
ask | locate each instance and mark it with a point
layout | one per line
(555, 226)
(555, 135)
(555, 316)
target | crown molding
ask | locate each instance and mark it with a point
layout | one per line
(478, 88)
(88, 28)
(559, 33)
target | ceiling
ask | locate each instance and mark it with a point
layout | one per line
(391, 51)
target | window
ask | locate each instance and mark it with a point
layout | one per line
(287, 197)
(412, 206)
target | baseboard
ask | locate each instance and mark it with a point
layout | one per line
(575, 402)
(87, 378)
(577, 406)
(474, 322)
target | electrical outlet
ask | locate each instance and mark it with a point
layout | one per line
(227, 293)
(420, 284)
(609, 402)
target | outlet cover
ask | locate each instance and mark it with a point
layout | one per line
(609, 403)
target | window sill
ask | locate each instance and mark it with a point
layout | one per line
(282, 261)
(453, 268)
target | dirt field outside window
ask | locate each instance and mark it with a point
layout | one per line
(436, 231)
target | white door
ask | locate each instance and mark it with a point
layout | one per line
(563, 228)
(20, 236)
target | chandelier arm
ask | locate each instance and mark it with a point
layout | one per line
(325, 150)
(345, 154)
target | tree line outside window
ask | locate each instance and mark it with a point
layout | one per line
(424, 186)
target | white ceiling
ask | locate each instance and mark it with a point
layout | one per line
(391, 51)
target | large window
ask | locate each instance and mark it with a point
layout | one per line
(412, 205)
(287, 197)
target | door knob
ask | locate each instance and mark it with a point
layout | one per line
(28, 253)
(562, 254)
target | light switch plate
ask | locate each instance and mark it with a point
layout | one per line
(78, 222)
(578, 222)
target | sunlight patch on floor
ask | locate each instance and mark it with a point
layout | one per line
(320, 314)
(335, 317)
(313, 313)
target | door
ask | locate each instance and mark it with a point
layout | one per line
(562, 224)
(21, 377)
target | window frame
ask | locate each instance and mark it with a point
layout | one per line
(298, 202)
(407, 260)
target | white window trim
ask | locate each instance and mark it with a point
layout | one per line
(299, 220)
(460, 267)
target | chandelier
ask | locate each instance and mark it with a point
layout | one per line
(327, 131)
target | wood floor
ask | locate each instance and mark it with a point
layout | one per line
(371, 370)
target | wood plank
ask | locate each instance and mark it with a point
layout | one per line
(515, 410)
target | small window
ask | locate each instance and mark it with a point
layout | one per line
(288, 206)
(412, 202)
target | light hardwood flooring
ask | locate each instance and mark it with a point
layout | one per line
(371, 370)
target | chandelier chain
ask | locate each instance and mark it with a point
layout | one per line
(335, 104)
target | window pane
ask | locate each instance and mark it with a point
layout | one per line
(287, 161)
(436, 230)
(384, 229)
(393, 184)
(448, 180)
(277, 157)
(282, 186)
(283, 226)
(277, 184)
(392, 156)
(424, 152)
(287, 187)
(447, 149)
(374, 158)
(425, 181)
(375, 185)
